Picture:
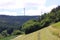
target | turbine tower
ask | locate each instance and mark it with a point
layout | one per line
(24, 11)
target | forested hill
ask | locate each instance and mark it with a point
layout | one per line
(14, 21)
(11, 25)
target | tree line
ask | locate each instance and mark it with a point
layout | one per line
(44, 20)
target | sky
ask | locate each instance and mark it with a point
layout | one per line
(32, 7)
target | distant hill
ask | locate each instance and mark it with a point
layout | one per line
(11, 25)
(14, 21)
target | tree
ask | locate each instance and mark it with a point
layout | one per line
(10, 30)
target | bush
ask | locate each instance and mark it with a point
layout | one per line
(30, 26)
(16, 32)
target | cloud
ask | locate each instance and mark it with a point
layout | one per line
(48, 9)
(12, 4)
(8, 13)
(38, 7)
(40, 11)
(15, 7)
(5, 4)
(40, 2)
(35, 7)
(32, 12)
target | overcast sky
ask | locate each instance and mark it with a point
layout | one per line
(32, 7)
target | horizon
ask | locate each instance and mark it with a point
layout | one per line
(21, 15)
(32, 8)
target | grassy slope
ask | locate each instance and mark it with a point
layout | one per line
(56, 25)
(48, 33)
(8, 38)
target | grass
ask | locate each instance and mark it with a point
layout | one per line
(44, 34)
(49, 33)
(56, 25)
(55, 29)
(8, 38)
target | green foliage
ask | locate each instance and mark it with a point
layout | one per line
(16, 32)
(8, 38)
(45, 20)
(56, 25)
(4, 33)
(1, 36)
(30, 26)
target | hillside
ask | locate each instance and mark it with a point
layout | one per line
(48, 33)
(15, 20)
(10, 25)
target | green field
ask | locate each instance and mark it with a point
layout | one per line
(56, 25)
(8, 38)
(48, 33)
